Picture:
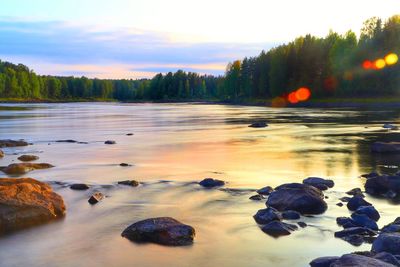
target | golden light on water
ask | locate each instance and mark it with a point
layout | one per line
(380, 63)
(391, 59)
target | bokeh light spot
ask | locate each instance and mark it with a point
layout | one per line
(303, 94)
(380, 64)
(367, 65)
(292, 98)
(278, 102)
(391, 59)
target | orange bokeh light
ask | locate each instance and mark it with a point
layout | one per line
(380, 64)
(367, 64)
(292, 98)
(278, 102)
(303, 94)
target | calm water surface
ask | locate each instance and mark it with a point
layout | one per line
(173, 146)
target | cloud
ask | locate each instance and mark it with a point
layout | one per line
(61, 48)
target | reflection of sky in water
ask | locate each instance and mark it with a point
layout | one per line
(185, 143)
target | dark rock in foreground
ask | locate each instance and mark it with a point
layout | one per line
(355, 192)
(260, 124)
(267, 215)
(323, 261)
(165, 231)
(110, 142)
(370, 211)
(28, 158)
(95, 198)
(364, 221)
(291, 215)
(387, 242)
(320, 183)
(277, 228)
(356, 202)
(384, 185)
(27, 202)
(383, 147)
(79, 187)
(12, 143)
(302, 198)
(210, 182)
(354, 260)
(265, 190)
(22, 168)
(132, 183)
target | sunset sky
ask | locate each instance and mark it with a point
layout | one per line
(138, 38)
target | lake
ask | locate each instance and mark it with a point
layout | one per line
(173, 147)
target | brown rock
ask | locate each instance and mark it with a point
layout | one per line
(22, 168)
(12, 143)
(1, 153)
(27, 202)
(28, 158)
(95, 198)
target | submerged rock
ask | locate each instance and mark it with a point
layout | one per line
(265, 190)
(27, 202)
(210, 182)
(386, 147)
(22, 168)
(267, 215)
(259, 124)
(12, 143)
(163, 230)
(129, 134)
(110, 142)
(302, 198)
(132, 183)
(387, 242)
(28, 158)
(79, 187)
(320, 183)
(95, 198)
(277, 228)
(390, 126)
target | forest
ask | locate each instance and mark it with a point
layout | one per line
(337, 65)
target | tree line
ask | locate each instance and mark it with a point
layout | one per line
(336, 65)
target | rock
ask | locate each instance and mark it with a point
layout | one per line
(339, 204)
(22, 168)
(355, 192)
(302, 198)
(267, 215)
(110, 142)
(370, 211)
(258, 125)
(210, 182)
(265, 190)
(1, 153)
(387, 242)
(125, 165)
(323, 261)
(364, 221)
(129, 134)
(391, 228)
(291, 215)
(163, 230)
(344, 199)
(320, 183)
(27, 202)
(390, 126)
(12, 143)
(354, 260)
(79, 187)
(388, 258)
(28, 158)
(95, 198)
(302, 224)
(257, 197)
(355, 231)
(384, 185)
(343, 220)
(356, 202)
(277, 228)
(67, 141)
(383, 147)
(370, 175)
(132, 183)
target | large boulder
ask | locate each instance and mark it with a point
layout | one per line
(267, 215)
(387, 242)
(386, 147)
(12, 143)
(355, 260)
(22, 168)
(27, 202)
(383, 185)
(319, 183)
(302, 198)
(163, 230)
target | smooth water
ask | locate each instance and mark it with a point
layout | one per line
(173, 146)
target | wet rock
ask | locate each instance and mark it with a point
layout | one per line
(391, 228)
(388, 258)
(370, 175)
(355, 231)
(345, 199)
(277, 228)
(79, 187)
(125, 165)
(302, 198)
(355, 260)
(265, 190)
(370, 211)
(257, 197)
(259, 124)
(28, 158)
(387, 242)
(110, 142)
(27, 202)
(291, 215)
(356, 202)
(1, 153)
(129, 134)
(323, 261)
(320, 183)
(386, 147)
(210, 182)
(339, 204)
(67, 141)
(384, 185)
(390, 126)
(355, 192)
(343, 220)
(12, 143)
(132, 183)
(164, 230)
(96, 198)
(364, 221)
(302, 224)
(267, 215)
(22, 168)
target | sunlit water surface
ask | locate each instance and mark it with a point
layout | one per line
(173, 146)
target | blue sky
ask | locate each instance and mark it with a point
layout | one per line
(136, 38)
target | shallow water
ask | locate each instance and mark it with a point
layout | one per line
(173, 146)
